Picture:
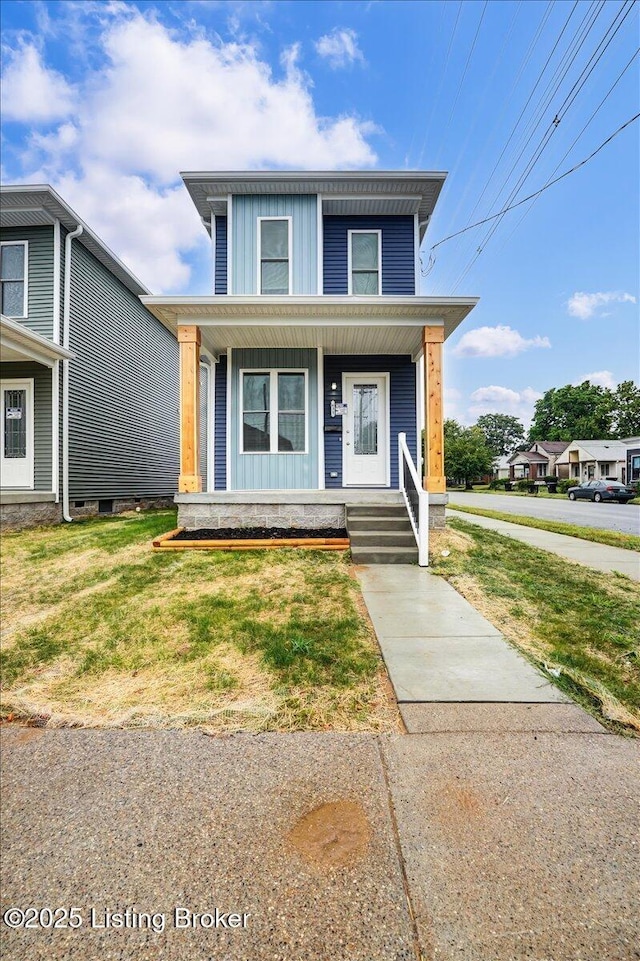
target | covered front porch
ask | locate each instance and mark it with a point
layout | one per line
(293, 409)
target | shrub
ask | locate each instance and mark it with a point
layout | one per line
(523, 485)
(566, 483)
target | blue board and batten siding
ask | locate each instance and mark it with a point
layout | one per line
(123, 390)
(402, 404)
(398, 254)
(303, 211)
(275, 471)
(220, 267)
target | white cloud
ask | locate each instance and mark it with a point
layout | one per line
(185, 104)
(453, 404)
(32, 92)
(340, 48)
(585, 305)
(601, 378)
(500, 341)
(503, 400)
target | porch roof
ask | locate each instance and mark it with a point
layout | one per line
(338, 324)
(18, 343)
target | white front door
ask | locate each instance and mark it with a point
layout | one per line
(16, 454)
(365, 434)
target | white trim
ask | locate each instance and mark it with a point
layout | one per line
(416, 252)
(27, 384)
(25, 281)
(273, 411)
(211, 427)
(320, 376)
(15, 336)
(387, 378)
(66, 329)
(228, 415)
(214, 252)
(289, 220)
(229, 244)
(350, 234)
(320, 243)
(57, 277)
(55, 430)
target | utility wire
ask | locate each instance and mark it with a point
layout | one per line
(569, 99)
(537, 193)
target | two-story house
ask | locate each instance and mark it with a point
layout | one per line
(314, 350)
(89, 377)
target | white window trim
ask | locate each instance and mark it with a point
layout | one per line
(289, 220)
(25, 297)
(350, 234)
(27, 384)
(273, 410)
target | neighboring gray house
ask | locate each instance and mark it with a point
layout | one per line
(595, 460)
(89, 378)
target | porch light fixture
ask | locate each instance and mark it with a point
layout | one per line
(334, 386)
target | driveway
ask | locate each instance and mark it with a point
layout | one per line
(609, 517)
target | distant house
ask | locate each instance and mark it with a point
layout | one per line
(501, 467)
(595, 460)
(540, 460)
(89, 377)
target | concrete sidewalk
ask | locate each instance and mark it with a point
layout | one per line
(438, 648)
(499, 846)
(600, 557)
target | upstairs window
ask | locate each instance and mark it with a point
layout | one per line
(274, 263)
(274, 412)
(13, 279)
(365, 274)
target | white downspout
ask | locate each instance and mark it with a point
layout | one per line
(66, 314)
(55, 373)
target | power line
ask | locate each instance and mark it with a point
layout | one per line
(537, 193)
(568, 101)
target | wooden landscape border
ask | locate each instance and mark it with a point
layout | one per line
(166, 542)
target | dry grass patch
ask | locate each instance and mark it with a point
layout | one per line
(104, 632)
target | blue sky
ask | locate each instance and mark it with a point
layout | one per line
(107, 101)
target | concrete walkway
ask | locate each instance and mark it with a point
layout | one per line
(600, 557)
(438, 648)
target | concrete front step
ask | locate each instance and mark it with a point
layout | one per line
(373, 523)
(384, 555)
(373, 538)
(377, 510)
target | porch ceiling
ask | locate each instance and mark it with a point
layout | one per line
(386, 325)
(18, 343)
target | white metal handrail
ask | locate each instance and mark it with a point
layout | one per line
(419, 516)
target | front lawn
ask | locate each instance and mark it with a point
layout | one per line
(99, 630)
(582, 627)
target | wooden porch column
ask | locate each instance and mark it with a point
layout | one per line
(434, 479)
(190, 481)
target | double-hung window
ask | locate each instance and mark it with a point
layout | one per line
(13, 279)
(274, 256)
(274, 411)
(365, 269)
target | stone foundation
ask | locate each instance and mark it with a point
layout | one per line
(120, 505)
(15, 517)
(198, 516)
(436, 517)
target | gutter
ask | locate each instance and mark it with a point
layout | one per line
(66, 314)
(55, 375)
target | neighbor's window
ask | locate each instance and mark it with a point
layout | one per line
(274, 418)
(13, 278)
(364, 262)
(274, 255)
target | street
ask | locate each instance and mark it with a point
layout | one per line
(611, 517)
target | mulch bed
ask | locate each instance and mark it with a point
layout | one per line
(259, 533)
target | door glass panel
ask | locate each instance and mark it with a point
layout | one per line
(15, 424)
(365, 418)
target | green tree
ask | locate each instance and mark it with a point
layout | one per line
(503, 432)
(584, 411)
(466, 452)
(626, 409)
